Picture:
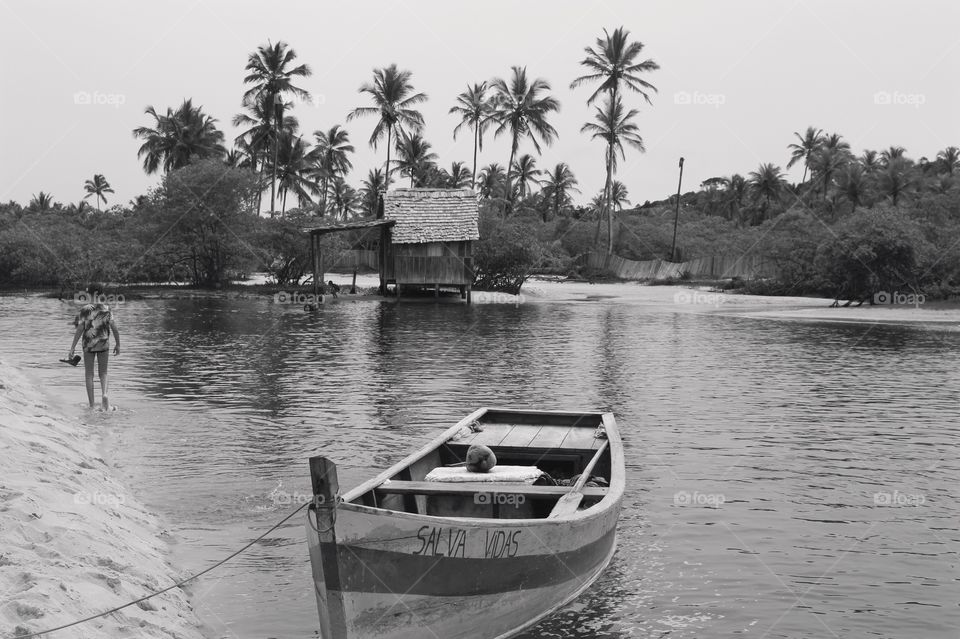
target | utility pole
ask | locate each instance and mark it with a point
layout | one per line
(676, 219)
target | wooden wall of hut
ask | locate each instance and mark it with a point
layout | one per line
(445, 263)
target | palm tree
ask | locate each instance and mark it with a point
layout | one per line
(373, 186)
(767, 183)
(891, 153)
(614, 62)
(414, 157)
(294, 170)
(943, 184)
(826, 161)
(522, 109)
(177, 137)
(474, 111)
(619, 197)
(853, 184)
(557, 187)
(330, 157)
(525, 172)
(345, 197)
(493, 181)
(896, 179)
(836, 142)
(41, 202)
(393, 99)
(265, 120)
(870, 161)
(949, 159)
(736, 188)
(810, 141)
(613, 125)
(271, 76)
(97, 186)
(236, 158)
(459, 176)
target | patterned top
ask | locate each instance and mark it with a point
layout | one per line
(95, 319)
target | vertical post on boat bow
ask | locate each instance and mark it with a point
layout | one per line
(323, 556)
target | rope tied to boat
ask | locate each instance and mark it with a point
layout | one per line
(176, 585)
(319, 503)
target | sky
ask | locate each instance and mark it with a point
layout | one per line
(736, 79)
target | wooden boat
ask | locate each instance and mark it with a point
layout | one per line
(401, 557)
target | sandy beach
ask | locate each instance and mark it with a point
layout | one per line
(73, 540)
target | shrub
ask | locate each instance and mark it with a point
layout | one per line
(505, 255)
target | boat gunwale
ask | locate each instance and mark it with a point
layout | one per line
(613, 496)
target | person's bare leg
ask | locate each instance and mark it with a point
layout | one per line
(88, 374)
(102, 360)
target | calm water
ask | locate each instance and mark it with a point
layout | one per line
(785, 479)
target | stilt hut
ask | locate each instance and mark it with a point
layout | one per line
(431, 241)
(426, 239)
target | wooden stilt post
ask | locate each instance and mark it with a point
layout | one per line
(323, 556)
(436, 291)
(320, 253)
(315, 258)
(353, 285)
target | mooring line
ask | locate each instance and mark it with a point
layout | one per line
(176, 585)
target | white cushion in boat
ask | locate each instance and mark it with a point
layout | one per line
(516, 474)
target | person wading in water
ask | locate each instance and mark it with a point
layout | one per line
(94, 324)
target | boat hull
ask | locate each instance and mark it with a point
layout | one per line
(405, 576)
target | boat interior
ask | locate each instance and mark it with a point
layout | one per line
(560, 445)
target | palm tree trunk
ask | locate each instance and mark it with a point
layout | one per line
(386, 186)
(283, 205)
(509, 193)
(476, 139)
(323, 205)
(259, 173)
(608, 189)
(273, 178)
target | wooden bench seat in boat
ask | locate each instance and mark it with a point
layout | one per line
(397, 487)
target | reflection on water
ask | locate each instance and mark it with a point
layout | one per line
(784, 479)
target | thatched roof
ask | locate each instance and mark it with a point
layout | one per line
(432, 215)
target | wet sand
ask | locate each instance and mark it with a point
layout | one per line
(73, 540)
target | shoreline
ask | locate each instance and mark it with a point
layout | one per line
(73, 540)
(697, 298)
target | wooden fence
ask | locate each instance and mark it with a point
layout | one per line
(718, 267)
(358, 259)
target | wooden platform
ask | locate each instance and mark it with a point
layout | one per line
(533, 436)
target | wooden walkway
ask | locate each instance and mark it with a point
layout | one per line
(533, 436)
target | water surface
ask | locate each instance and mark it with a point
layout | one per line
(784, 479)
